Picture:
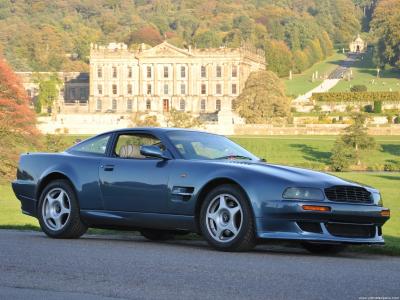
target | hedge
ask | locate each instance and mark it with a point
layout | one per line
(357, 97)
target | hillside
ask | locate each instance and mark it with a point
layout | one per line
(52, 35)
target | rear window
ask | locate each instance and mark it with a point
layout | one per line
(96, 145)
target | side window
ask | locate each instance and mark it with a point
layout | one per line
(203, 151)
(128, 145)
(96, 145)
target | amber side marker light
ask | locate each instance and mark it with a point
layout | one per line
(385, 213)
(316, 208)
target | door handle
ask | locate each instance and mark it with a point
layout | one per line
(108, 167)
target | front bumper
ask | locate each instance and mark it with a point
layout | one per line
(344, 223)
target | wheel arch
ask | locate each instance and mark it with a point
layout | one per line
(210, 186)
(56, 175)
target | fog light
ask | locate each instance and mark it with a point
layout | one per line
(385, 213)
(316, 208)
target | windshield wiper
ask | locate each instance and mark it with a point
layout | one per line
(234, 157)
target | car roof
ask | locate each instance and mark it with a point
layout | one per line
(154, 130)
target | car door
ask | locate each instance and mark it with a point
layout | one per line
(131, 182)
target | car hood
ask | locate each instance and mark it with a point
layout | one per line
(296, 176)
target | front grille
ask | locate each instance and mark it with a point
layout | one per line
(351, 230)
(353, 194)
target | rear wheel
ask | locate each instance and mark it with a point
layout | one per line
(323, 248)
(58, 211)
(156, 235)
(226, 219)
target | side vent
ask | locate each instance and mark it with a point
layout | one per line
(182, 193)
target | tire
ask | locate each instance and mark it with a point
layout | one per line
(226, 219)
(58, 211)
(323, 248)
(156, 235)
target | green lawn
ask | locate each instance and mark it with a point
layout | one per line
(301, 83)
(364, 72)
(314, 151)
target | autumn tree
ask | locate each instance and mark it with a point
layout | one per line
(17, 121)
(278, 57)
(385, 26)
(146, 34)
(263, 98)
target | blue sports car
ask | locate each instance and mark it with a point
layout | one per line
(173, 181)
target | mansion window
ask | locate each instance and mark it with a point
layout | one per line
(182, 104)
(219, 71)
(114, 89)
(149, 89)
(203, 72)
(183, 72)
(148, 69)
(129, 89)
(98, 105)
(114, 72)
(129, 105)
(166, 72)
(100, 89)
(234, 88)
(183, 89)
(218, 89)
(234, 71)
(72, 94)
(166, 89)
(82, 93)
(203, 89)
(203, 105)
(218, 105)
(99, 72)
(129, 72)
(148, 104)
(114, 104)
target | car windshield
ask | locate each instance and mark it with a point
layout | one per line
(201, 145)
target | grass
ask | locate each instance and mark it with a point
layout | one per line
(301, 83)
(314, 151)
(364, 72)
(306, 151)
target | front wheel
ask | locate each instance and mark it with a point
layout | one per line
(58, 211)
(226, 219)
(323, 248)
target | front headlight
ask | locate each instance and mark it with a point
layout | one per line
(303, 194)
(377, 199)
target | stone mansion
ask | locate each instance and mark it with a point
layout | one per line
(156, 79)
(164, 77)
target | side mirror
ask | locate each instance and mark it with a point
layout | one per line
(152, 151)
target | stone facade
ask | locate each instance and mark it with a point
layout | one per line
(163, 77)
(358, 45)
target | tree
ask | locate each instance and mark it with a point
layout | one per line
(146, 34)
(17, 121)
(278, 57)
(48, 92)
(181, 119)
(385, 26)
(342, 156)
(263, 98)
(207, 39)
(348, 147)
